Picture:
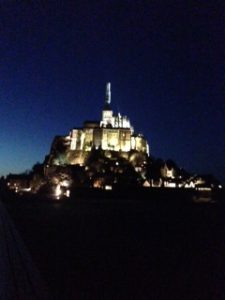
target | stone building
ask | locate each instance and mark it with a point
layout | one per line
(112, 133)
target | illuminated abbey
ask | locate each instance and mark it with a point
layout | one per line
(113, 133)
(105, 154)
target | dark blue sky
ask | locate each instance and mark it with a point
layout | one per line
(165, 61)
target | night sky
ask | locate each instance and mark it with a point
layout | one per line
(164, 59)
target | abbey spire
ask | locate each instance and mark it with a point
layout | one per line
(108, 93)
(107, 106)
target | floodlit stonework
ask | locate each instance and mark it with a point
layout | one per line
(112, 133)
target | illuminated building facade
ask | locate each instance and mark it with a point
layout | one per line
(113, 132)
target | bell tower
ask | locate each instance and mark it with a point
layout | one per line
(107, 113)
(108, 93)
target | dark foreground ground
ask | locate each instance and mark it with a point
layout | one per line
(129, 249)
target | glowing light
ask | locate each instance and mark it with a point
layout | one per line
(108, 187)
(170, 184)
(68, 193)
(146, 184)
(204, 189)
(65, 183)
(26, 189)
(189, 185)
(58, 191)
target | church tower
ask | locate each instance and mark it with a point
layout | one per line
(108, 94)
(107, 113)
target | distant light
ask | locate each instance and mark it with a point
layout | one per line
(58, 191)
(108, 187)
(204, 189)
(189, 185)
(65, 183)
(220, 186)
(170, 184)
(26, 189)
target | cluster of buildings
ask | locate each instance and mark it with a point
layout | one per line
(102, 154)
(113, 132)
